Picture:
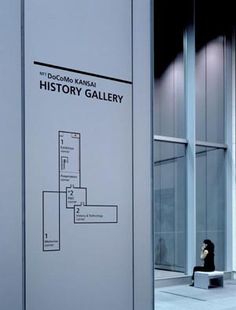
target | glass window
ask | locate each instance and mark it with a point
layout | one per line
(210, 200)
(170, 206)
(170, 161)
(210, 126)
(210, 92)
(169, 107)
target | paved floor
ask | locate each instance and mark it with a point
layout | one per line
(184, 297)
(164, 274)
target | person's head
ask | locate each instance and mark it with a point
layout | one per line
(209, 245)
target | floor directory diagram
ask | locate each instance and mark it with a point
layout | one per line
(74, 195)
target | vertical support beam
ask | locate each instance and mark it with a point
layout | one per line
(142, 150)
(230, 263)
(229, 156)
(189, 64)
(10, 157)
(234, 151)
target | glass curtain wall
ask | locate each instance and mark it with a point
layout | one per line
(169, 91)
(171, 159)
(169, 127)
(210, 91)
(169, 110)
(210, 200)
(170, 202)
(210, 128)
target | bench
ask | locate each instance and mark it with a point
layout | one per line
(205, 279)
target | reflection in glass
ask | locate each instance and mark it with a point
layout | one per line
(169, 112)
(210, 92)
(210, 200)
(170, 206)
(169, 105)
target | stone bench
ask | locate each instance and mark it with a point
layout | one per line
(208, 279)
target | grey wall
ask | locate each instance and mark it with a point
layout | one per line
(10, 157)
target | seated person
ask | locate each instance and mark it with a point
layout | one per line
(207, 255)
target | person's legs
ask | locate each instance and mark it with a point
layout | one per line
(196, 268)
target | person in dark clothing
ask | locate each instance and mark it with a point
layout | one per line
(207, 255)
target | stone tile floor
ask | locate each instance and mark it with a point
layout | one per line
(184, 297)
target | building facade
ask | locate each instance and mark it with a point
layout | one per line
(194, 133)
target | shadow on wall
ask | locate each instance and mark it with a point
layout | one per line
(161, 253)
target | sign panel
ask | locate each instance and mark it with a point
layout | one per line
(78, 155)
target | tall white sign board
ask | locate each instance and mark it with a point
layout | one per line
(78, 151)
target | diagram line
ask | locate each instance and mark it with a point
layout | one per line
(81, 72)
